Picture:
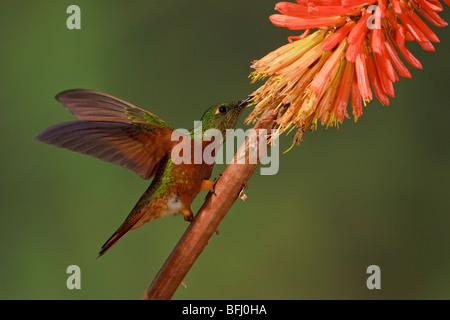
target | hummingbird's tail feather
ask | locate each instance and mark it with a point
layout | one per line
(131, 222)
(145, 211)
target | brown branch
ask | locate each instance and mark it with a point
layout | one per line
(197, 235)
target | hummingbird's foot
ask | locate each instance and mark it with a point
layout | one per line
(211, 185)
(188, 215)
(242, 195)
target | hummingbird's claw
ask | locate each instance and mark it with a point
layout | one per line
(188, 215)
(242, 195)
(213, 188)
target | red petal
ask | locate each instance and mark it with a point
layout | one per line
(340, 107)
(362, 77)
(396, 7)
(320, 2)
(416, 32)
(436, 3)
(356, 3)
(294, 23)
(382, 7)
(360, 29)
(383, 78)
(337, 36)
(300, 37)
(292, 9)
(323, 77)
(424, 28)
(356, 99)
(311, 9)
(398, 64)
(400, 44)
(376, 33)
(333, 10)
(429, 6)
(433, 17)
(384, 64)
(375, 81)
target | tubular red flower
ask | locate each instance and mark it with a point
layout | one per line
(306, 11)
(396, 62)
(374, 79)
(338, 36)
(294, 23)
(320, 2)
(318, 84)
(417, 34)
(362, 77)
(432, 17)
(340, 107)
(400, 44)
(429, 6)
(429, 34)
(356, 99)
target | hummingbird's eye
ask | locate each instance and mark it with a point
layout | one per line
(223, 109)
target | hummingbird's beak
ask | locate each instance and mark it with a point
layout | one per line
(244, 102)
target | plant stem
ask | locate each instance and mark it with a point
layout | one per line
(206, 221)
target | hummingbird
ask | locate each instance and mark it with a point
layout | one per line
(116, 131)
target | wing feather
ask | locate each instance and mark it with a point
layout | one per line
(116, 142)
(111, 130)
(93, 105)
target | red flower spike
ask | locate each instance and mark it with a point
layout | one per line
(337, 36)
(313, 79)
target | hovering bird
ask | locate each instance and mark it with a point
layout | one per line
(116, 131)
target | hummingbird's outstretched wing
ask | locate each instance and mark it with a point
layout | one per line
(111, 130)
(93, 105)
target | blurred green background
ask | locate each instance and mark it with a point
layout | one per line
(375, 192)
